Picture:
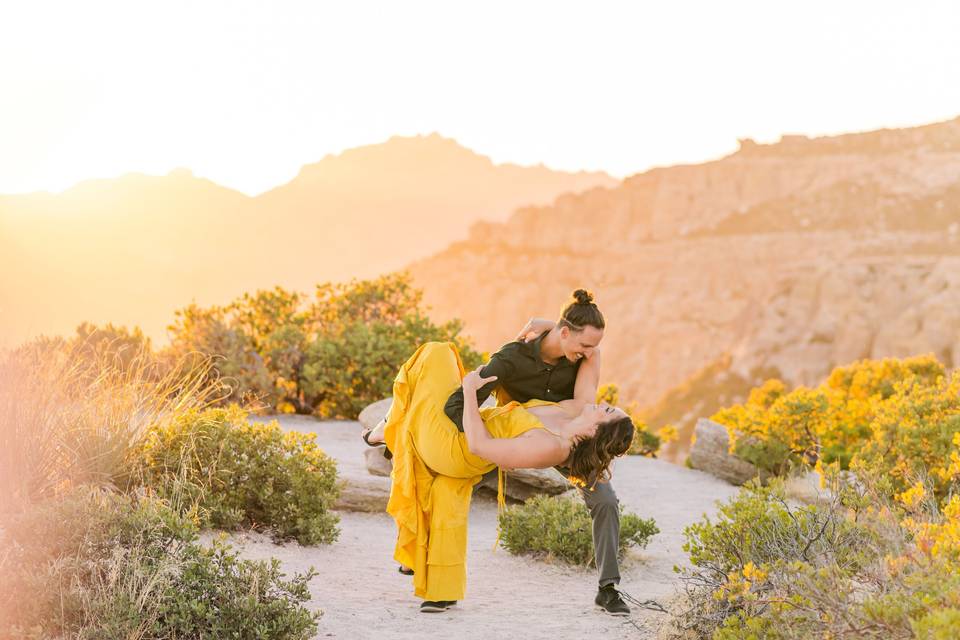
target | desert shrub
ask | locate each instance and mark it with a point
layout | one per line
(915, 433)
(366, 330)
(200, 333)
(859, 565)
(235, 472)
(645, 442)
(869, 410)
(561, 528)
(774, 430)
(75, 413)
(355, 365)
(330, 355)
(858, 389)
(102, 565)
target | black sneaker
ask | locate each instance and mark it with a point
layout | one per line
(608, 599)
(436, 606)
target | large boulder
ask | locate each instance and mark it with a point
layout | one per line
(369, 494)
(376, 464)
(711, 453)
(372, 414)
(523, 484)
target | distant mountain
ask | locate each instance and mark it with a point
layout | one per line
(778, 260)
(130, 250)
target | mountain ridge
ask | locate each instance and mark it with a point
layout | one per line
(782, 263)
(93, 251)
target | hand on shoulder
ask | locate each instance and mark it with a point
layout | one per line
(473, 380)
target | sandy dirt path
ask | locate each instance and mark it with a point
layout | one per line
(362, 595)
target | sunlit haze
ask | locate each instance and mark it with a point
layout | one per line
(244, 93)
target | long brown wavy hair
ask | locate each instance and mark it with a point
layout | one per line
(591, 458)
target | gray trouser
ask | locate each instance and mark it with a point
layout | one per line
(605, 511)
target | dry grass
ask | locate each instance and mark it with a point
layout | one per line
(72, 414)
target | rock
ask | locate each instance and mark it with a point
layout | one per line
(523, 484)
(711, 453)
(372, 414)
(376, 464)
(369, 495)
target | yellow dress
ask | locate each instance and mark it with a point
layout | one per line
(433, 470)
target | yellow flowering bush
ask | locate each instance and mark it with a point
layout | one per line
(775, 430)
(235, 472)
(879, 559)
(863, 564)
(914, 433)
(858, 389)
(894, 416)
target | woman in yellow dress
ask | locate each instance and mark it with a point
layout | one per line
(435, 466)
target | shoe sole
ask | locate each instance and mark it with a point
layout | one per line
(433, 609)
(617, 614)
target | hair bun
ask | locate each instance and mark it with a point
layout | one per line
(583, 296)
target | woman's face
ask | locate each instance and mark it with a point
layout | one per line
(597, 414)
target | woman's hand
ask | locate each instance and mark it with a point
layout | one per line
(533, 328)
(473, 380)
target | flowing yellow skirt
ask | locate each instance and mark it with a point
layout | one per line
(434, 471)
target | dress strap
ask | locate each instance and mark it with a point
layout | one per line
(501, 501)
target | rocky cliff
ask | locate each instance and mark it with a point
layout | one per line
(779, 260)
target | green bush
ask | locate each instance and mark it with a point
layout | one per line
(108, 566)
(198, 332)
(760, 526)
(365, 331)
(330, 356)
(858, 565)
(234, 473)
(561, 528)
(350, 367)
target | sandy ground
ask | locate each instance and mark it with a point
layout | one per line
(362, 595)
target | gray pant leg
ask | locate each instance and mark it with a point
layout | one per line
(605, 512)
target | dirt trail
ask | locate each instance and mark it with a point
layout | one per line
(363, 596)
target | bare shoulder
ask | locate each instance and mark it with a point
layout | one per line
(548, 442)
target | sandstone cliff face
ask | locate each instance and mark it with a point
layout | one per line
(783, 259)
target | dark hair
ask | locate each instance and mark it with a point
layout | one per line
(580, 312)
(590, 459)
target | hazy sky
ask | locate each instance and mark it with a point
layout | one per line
(244, 93)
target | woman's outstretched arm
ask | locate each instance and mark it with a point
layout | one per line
(511, 453)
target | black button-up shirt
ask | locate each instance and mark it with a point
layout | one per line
(523, 375)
